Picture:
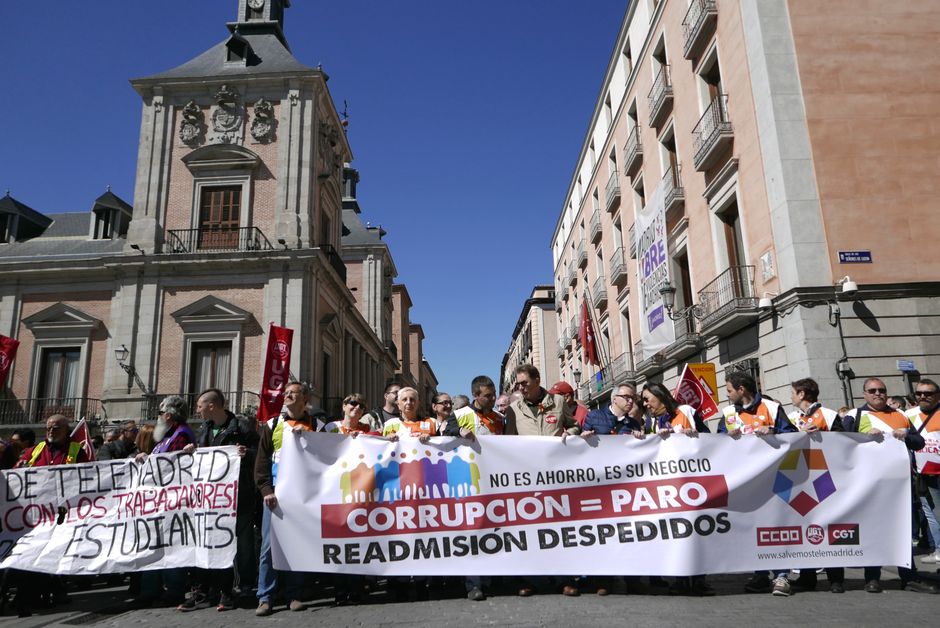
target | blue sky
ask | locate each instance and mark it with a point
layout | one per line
(466, 119)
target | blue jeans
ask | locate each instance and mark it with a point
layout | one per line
(267, 575)
(932, 514)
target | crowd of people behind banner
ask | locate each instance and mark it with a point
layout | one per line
(529, 410)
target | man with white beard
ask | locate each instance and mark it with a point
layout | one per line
(171, 432)
(165, 587)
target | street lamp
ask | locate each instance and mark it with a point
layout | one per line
(668, 292)
(121, 354)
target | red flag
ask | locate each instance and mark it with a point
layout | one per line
(7, 353)
(276, 365)
(690, 391)
(80, 435)
(586, 336)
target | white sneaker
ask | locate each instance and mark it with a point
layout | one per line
(781, 587)
(932, 559)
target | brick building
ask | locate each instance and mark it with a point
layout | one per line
(788, 146)
(236, 222)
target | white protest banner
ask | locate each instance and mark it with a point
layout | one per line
(607, 505)
(928, 458)
(656, 329)
(173, 510)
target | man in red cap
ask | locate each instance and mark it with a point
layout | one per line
(578, 410)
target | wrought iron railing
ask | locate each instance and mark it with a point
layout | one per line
(36, 410)
(595, 225)
(581, 255)
(659, 92)
(618, 372)
(632, 236)
(695, 17)
(710, 126)
(685, 326)
(335, 261)
(672, 188)
(730, 290)
(618, 266)
(599, 291)
(572, 273)
(612, 192)
(216, 239)
(633, 150)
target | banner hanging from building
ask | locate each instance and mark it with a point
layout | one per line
(928, 458)
(695, 389)
(173, 510)
(610, 505)
(276, 370)
(8, 348)
(656, 329)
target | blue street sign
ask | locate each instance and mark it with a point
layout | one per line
(906, 366)
(855, 257)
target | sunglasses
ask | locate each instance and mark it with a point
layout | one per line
(446, 403)
(353, 404)
(876, 391)
(925, 393)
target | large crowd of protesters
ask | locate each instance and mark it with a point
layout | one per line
(530, 409)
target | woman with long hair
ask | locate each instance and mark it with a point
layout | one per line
(144, 441)
(667, 415)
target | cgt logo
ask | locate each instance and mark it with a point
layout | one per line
(786, 535)
(843, 534)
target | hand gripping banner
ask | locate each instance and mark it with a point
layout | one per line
(173, 510)
(609, 505)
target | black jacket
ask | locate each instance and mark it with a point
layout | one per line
(237, 430)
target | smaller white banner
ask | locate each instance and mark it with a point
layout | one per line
(173, 510)
(928, 458)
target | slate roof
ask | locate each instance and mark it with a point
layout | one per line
(270, 56)
(65, 238)
(356, 233)
(9, 205)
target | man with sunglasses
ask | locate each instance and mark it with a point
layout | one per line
(876, 417)
(926, 419)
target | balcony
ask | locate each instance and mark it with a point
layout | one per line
(211, 239)
(618, 268)
(562, 345)
(572, 279)
(36, 410)
(673, 194)
(614, 374)
(688, 340)
(633, 153)
(573, 329)
(632, 235)
(581, 255)
(596, 230)
(333, 257)
(564, 292)
(712, 135)
(612, 192)
(599, 293)
(729, 302)
(660, 96)
(698, 26)
(558, 301)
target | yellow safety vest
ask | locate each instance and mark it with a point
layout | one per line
(70, 457)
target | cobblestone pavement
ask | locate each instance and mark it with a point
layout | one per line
(104, 608)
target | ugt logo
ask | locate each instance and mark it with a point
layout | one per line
(804, 468)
